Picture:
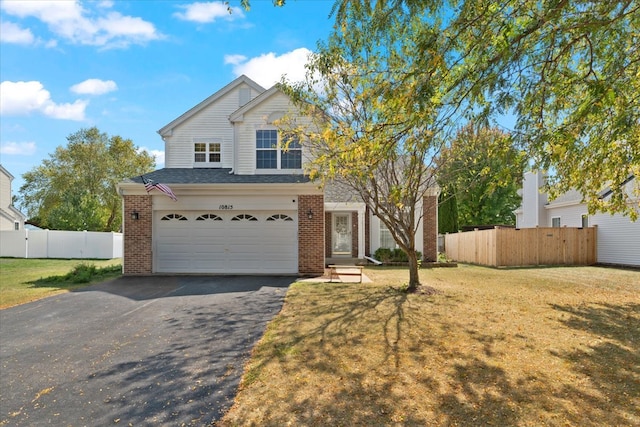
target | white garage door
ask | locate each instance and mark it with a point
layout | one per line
(225, 242)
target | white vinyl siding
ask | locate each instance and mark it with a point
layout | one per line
(618, 239)
(211, 122)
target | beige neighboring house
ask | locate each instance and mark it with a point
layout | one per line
(618, 238)
(10, 217)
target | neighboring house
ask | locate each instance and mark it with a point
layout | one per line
(244, 204)
(10, 217)
(618, 238)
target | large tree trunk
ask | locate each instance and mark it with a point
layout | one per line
(414, 278)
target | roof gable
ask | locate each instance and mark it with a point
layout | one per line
(237, 116)
(210, 100)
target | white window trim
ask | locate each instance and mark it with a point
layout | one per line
(207, 163)
(559, 221)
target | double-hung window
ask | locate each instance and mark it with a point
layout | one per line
(291, 157)
(386, 239)
(207, 154)
(267, 149)
(275, 150)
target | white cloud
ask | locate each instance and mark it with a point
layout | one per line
(94, 87)
(234, 59)
(22, 98)
(18, 148)
(12, 33)
(157, 154)
(208, 12)
(267, 69)
(70, 21)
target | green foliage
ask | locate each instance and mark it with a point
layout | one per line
(75, 188)
(393, 255)
(81, 273)
(447, 211)
(569, 71)
(481, 171)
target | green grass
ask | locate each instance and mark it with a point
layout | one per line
(24, 280)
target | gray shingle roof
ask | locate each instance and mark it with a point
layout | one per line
(215, 176)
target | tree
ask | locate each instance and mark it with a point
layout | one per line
(368, 130)
(75, 188)
(568, 70)
(482, 171)
(447, 211)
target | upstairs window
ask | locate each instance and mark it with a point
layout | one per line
(292, 152)
(267, 149)
(277, 151)
(207, 154)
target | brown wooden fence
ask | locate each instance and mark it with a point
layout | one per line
(503, 247)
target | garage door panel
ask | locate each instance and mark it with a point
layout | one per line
(184, 244)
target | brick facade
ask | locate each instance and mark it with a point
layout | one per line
(137, 258)
(430, 228)
(311, 235)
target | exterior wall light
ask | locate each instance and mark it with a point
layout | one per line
(135, 215)
(310, 214)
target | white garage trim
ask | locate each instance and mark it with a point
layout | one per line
(225, 241)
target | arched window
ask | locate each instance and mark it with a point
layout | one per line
(279, 217)
(244, 217)
(174, 217)
(209, 217)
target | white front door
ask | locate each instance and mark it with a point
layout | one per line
(341, 235)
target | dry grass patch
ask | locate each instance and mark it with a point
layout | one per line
(528, 347)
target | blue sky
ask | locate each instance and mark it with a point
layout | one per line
(130, 67)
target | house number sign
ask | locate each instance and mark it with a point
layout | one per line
(225, 207)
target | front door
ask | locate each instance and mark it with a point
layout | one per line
(341, 235)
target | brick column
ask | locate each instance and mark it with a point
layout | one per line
(430, 228)
(137, 257)
(311, 235)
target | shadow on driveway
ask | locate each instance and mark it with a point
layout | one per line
(142, 351)
(151, 287)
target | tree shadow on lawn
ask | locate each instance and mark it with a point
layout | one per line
(473, 391)
(610, 363)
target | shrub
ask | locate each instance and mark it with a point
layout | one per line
(82, 273)
(393, 255)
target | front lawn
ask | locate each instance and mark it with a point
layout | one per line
(24, 280)
(519, 347)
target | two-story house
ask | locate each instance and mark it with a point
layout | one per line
(244, 204)
(617, 237)
(10, 217)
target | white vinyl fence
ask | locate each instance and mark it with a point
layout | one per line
(60, 244)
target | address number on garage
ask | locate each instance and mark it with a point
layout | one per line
(225, 207)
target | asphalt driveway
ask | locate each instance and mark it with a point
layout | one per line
(134, 351)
